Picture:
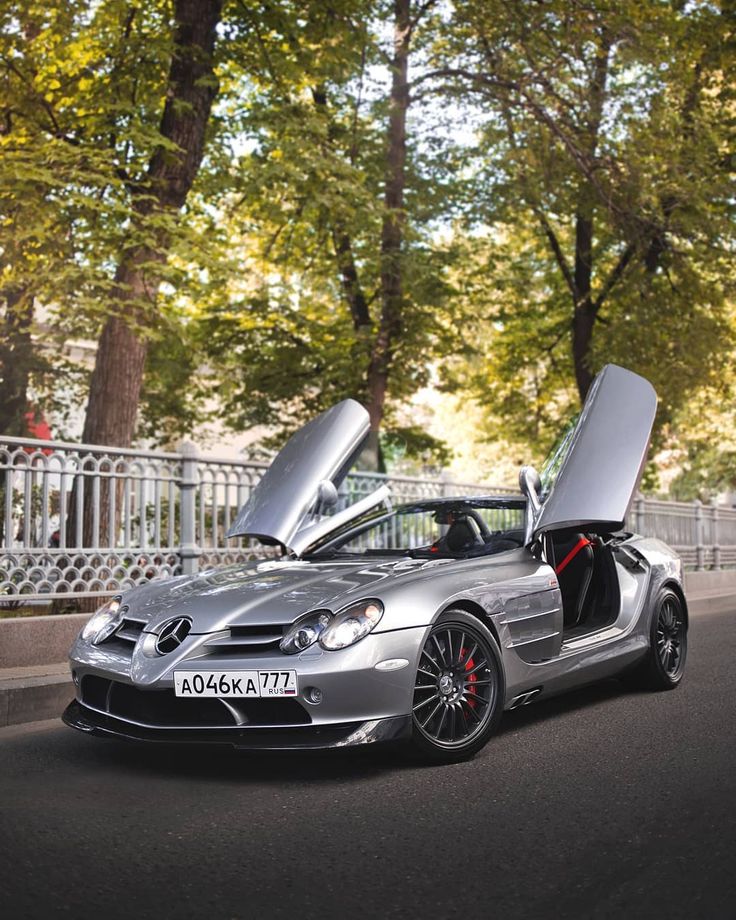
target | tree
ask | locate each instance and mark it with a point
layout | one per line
(336, 211)
(120, 360)
(37, 161)
(84, 87)
(606, 131)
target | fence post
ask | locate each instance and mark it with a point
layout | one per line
(699, 544)
(716, 544)
(445, 484)
(189, 552)
(639, 514)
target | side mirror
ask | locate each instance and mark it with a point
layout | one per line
(326, 496)
(531, 486)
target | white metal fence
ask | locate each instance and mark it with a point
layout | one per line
(78, 520)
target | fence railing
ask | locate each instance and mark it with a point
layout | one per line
(78, 520)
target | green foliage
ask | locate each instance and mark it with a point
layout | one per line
(645, 158)
(283, 339)
(509, 146)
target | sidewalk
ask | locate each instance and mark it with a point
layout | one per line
(29, 694)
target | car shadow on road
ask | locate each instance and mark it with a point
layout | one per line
(563, 705)
(220, 764)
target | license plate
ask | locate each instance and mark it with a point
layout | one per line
(235, 683)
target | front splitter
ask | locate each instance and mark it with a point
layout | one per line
(301, 737)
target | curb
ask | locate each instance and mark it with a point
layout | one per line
(32, 698)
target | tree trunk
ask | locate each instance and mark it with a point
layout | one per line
(583, 311)
(392, 232)
(350, 281)
(584, 307)
(16, 358)
(118, 374)
(117, 377)
(116, 382)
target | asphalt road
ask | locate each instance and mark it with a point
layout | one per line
(603, 803)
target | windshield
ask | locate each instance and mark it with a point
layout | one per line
(553, 463)
(449, 528)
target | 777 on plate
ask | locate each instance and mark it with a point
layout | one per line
(235, 683)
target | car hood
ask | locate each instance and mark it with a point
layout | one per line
(267, 592)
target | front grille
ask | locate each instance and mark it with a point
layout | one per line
(124, 638)
(162, 708)
(129, 630)
(241, 640)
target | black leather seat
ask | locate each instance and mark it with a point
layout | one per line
(460, 537)
(574, 560)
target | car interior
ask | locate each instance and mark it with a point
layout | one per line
(467, 534)
(586, 573)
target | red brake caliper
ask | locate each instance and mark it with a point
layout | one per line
(469, 665)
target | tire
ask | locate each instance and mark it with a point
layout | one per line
(459, 690)
(664, 665)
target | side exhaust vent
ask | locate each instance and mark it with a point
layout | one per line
(526, 697)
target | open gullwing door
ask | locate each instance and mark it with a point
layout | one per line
(591, 479)
(303, 479)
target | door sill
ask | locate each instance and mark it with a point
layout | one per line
(591, 638)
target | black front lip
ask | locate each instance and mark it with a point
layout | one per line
(299, 737)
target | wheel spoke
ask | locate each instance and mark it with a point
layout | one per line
(440, 650)
(470, 654)
(462, 713)
(427, 655)
(477, 667)
(430, 699)
(471, 709)
(429, 717)
(460, 646)
(442, 721)
(477, 698)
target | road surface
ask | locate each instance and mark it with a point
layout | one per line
(603, 803)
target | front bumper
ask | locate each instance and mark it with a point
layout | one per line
(301, 737)
(360, 702)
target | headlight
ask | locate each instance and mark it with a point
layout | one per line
(305, 632)
(103, 623)
(351, 625)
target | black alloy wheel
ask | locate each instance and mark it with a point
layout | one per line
(671, 637)
(664, 664)
(459, 688)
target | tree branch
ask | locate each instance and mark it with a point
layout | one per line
(615, 276)
(557, 251)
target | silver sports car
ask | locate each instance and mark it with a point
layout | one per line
(420, 623)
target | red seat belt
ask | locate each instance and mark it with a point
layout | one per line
(583, 541)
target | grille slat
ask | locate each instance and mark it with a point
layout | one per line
(229, 641)
(128, 635)
(247, 639)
